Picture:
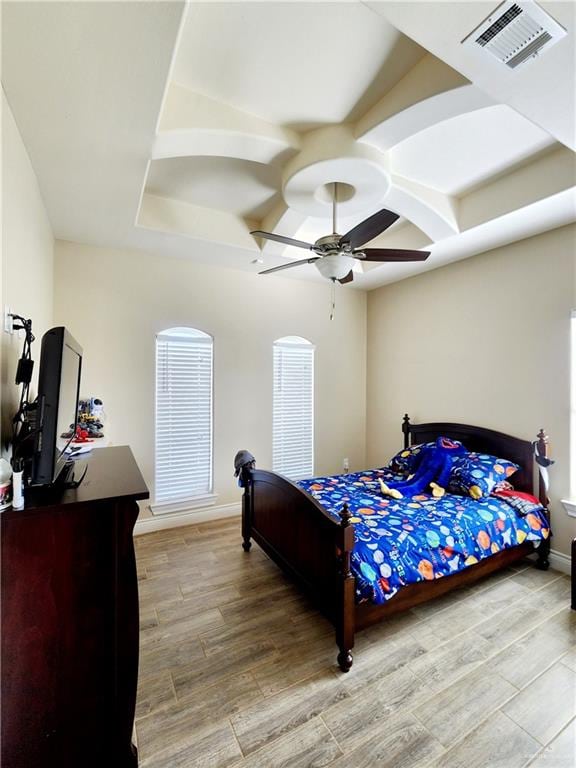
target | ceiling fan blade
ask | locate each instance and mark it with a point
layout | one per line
(282, 239)
(369, 228)
(348, 279)
(392, 254)
(291, 264)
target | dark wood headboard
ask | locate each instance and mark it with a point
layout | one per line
(481, 440)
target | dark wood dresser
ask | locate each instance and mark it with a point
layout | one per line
(70, 620)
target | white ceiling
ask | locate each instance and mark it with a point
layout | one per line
(468, 149)
(238, 186)
(150, 133)
(300, 66)
(544, 90)
(85, 92)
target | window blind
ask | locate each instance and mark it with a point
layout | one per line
(293, 408)
(183, 415)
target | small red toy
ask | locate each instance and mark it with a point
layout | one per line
(82, 436)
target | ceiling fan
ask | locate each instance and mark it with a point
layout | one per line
(335, 254)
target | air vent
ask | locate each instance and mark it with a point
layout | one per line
(516, 32)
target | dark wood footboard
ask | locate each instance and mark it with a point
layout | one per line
(307, 543)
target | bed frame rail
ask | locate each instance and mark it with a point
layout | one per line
(312, 547)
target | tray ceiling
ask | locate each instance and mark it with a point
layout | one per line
(185, 128)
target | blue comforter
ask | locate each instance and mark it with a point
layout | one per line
(404, 541)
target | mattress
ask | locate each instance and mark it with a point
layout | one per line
(404, 541)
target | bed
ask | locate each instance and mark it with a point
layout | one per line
(323, 545)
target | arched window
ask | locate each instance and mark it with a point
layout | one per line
(293, 409)
(183, 415)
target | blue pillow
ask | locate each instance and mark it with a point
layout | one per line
(477, 474)
(404, 461)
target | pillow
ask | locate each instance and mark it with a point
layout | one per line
(404, 461)
(477, 474)
(503, 485)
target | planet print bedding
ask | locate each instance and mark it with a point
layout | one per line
(418, 538)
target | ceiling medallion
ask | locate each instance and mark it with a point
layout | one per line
(333, 154)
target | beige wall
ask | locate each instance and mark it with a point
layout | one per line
(115, 302)
(27, 258)
(482, 341)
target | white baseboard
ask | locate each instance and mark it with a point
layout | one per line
(560, 561)
(191, 517)
(197, 502)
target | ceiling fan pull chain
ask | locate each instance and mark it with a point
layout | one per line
(332, 299)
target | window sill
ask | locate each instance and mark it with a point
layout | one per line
(185, 505)
(570, 506)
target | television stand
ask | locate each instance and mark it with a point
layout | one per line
(70, 620)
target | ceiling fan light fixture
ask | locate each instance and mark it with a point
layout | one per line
(335, 266)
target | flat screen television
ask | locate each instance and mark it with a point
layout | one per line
(58, 392)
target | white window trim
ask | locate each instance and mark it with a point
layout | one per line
(297, 342)
(570, 504)
(199, 500)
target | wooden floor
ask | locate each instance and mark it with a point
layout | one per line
(237, 669)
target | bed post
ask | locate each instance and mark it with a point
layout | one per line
(246, 479)
(406, 430)
(345, 618)
(543, 550)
